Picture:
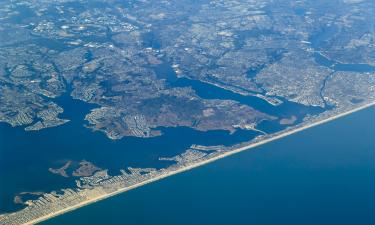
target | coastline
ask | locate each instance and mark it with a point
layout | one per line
(279, 135)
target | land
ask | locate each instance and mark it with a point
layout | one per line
(279, 62)
(101, 186)
(303, 86)
(80, 169)
(288, 121)
(18, 199)
(62, 170)
(85, 169)
(113, 60)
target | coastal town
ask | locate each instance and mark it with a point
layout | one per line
(161, 87)
(100, 185)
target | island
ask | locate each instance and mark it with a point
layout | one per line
(267, 69)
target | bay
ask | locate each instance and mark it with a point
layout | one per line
(323, 175)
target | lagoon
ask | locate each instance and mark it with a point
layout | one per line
(322, 175)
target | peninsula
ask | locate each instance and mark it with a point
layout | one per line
(101, 186)
(98, 97)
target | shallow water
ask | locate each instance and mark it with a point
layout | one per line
(323, 175)
(26, 156)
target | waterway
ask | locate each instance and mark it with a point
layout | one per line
(26, 156)
(323, 175)
(232, 189)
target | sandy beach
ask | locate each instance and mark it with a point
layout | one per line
(223, 155)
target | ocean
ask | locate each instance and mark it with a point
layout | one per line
(323, 175)
(311, 173)
(25, 157)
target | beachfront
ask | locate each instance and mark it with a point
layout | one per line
(123, 183)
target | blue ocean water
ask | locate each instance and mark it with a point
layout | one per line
(26, 156)
(323, 175)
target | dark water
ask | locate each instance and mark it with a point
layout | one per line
(324, 175)
(322, 60)
(246, 183)
(26, 156)
(318, 42)
(210, 91)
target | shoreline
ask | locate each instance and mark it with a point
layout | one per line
(282, 134)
